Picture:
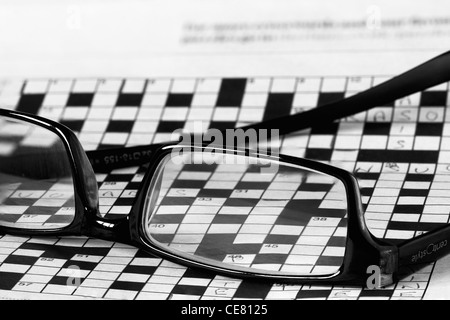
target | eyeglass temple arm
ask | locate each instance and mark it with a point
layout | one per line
(429, 74)
(426, 75)
(426, 248)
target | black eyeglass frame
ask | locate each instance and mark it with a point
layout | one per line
(362, 248)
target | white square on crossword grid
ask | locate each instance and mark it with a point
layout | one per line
(350, 128)
(196, 228)
(145, 126)
(347, 142)
(257, 85)
(379, 114)
(399, 234)
(9, 101)
(225, 114)
(304, 99)
(334, 85)
(431, 114)
(446, 129)
(257, 220)
(347, 156)
(139, 139)
(408, 217)
(86, 86)
(194, 175)
(126, 113)
(164, 137)
(287, 230)
(78, 113)
(204, 100)
(104, 100)
(252, 100)
(154, 99)
(36, 86)
(60, 86)
(385, 192)
(358, 84)
(158, 85)
(187, 238)
(428, 168)
(11, 87)
(115, 138)
(374, 142)
(283, 85)
(318, 231)
(313, 240)
(278, 194)
(100, 113)
(120, 209)
(90, 138)
(55, 99)
(50, 202)
(133, 86)
(221, 228)
(402, 129)
(445, 143)
(249, 238)
(208, 85)
(411, 200)
(109, 85)
(284, 185)
(95, 125)
(321, 141)
(308, 84)
(183, 86)
(251, 115)
(196, 126)
(229, 185)
(430, 218)
(200, 114)
(174, 114)
(307, 250)
(203, 209)
(427, 143)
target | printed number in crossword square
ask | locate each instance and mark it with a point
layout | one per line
(399, 152)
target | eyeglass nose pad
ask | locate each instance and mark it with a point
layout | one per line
(153, 199)
(86, 174)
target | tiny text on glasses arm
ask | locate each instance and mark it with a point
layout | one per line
(105, 160)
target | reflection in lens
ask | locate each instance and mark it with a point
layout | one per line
(239, 215)
(36, 187)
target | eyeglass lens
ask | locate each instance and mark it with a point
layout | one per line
(241, 212)
(36, 186)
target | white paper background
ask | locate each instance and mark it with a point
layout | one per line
(143, 38)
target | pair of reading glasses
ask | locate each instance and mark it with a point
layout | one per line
(231, 211)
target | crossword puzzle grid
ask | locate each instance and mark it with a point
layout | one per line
(399, 152)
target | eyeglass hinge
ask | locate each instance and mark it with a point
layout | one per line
(388, 265)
